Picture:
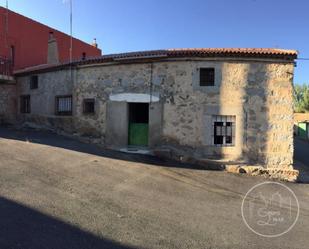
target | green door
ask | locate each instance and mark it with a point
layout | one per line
(138, 134)
(302, 130)
(138, 124)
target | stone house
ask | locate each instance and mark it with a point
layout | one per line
(231, 104)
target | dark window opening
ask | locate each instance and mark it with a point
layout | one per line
(139, 113)
(25, 104)
(13, 55)
(218, 132)
(207, 76)
(88, 106)
(64, 105)
(224, 130)
(34, 82)
(83, 56)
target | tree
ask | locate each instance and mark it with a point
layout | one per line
(301, 98)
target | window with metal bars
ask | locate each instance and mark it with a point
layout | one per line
(224, 130)
(64, 105)
(25, 104)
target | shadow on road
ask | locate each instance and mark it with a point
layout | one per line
(23, 227)
(301, 159)
(52, 139)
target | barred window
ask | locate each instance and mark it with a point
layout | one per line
(224, 130)
(207, 76)
(64, 105)
(25, 104)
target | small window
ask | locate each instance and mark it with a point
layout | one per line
(83, 56)
(25, 104)
(88, 106)
(34, 82)
(224, 130)
(64, 105)
(13, 55)
(207, 76)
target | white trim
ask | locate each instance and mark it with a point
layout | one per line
(134, 97)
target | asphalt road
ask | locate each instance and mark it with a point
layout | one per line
(59, 193)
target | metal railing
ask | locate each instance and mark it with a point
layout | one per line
(6, 67)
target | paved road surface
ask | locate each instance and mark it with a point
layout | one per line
(59, 193)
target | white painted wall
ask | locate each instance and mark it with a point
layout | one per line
(134, 97)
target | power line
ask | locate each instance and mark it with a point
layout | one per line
(303, 59)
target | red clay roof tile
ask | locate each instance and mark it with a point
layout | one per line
(285, 54)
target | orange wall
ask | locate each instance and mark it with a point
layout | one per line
(301, 117)
(30, 40)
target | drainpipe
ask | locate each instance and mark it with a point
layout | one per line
(151, 83)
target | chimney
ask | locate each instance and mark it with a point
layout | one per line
(94, 43)
(52, 52)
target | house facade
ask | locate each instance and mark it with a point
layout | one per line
(20, 36)
(232, 104)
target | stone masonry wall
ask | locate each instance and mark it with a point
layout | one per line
(7, 103)
(43, 99)
(259, 94)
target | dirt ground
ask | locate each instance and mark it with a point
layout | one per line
(59, 193)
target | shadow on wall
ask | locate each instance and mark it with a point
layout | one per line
(23, 227)
(51, 139)
(256, 113)
(301, 159)
(268, 116)
(243, 94)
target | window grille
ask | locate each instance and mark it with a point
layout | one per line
(223, 130)
(64, 105)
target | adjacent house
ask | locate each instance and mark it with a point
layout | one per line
(301, 125)
(25, 42)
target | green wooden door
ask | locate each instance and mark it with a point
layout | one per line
(138, 134)
(302, 130)
(138, 124)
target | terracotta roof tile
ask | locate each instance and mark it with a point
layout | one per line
(284, 54)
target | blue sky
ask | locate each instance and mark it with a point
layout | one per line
(132, 25)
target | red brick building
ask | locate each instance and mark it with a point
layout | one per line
(24, 42)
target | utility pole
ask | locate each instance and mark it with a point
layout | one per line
(71, 43)
(7, 25)
(71, 31)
